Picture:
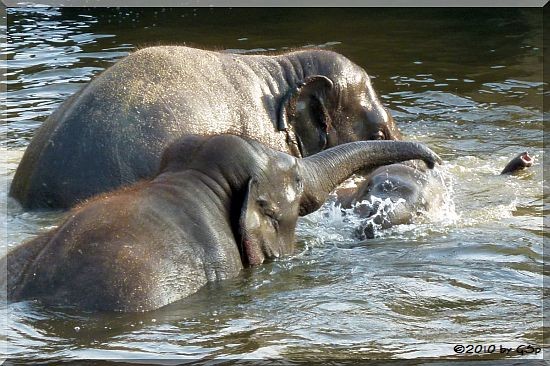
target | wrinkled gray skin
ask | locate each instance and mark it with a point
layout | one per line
(411, 189)
(112, 132)
(219, 204)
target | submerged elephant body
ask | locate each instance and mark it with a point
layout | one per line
(397, 194)
(112, 132)
(219, 204)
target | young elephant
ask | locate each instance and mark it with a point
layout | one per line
(112, 132)
(394, 194)
(219, 203)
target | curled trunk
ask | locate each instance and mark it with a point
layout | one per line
(324, 171)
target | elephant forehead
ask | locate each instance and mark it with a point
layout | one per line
(387, 181)
(290, 193)
(283, 173)
(381, 112)
(353, 75)
(398, 170)
(284, 163)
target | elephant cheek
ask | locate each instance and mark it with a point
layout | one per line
(253, 252)
(252, 241)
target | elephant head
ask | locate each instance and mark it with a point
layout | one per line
(335, 104)
(269, 213)
(392, 195)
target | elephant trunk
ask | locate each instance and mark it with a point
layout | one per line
(324, 171)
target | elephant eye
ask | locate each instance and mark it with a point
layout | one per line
(299, 183)
(274, 223)
(270, 212)
(272, 217)
(378, 136)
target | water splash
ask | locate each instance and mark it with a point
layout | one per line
(441, 215)
(444, 214)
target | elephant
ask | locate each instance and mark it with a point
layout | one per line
(218, 205)
(398, 193)
(391, 195)
(112, 132)
(520, 162)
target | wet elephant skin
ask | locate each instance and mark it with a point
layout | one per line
(112, 132)
(219, 204)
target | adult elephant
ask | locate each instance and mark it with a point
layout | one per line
(220, 203)
(112, 132)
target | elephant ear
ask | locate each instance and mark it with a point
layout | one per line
(304, 111)
(250, 226)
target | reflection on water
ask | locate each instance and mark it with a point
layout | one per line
(467, 82)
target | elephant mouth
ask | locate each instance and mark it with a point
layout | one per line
(527, 159)
(256, 252)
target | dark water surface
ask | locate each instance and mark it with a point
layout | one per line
(467, 82)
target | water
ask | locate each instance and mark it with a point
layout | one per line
(467, 82)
